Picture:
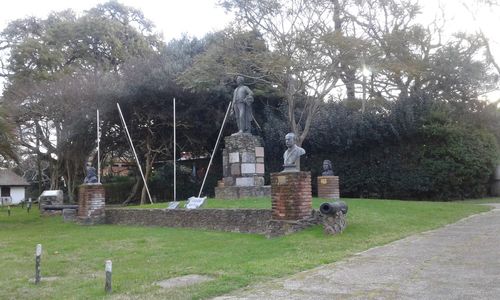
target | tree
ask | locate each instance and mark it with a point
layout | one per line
(7, 138)
(60, 69)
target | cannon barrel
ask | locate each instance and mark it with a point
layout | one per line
(330, 208)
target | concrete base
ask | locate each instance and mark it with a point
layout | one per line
(91, 204)
(237, 192)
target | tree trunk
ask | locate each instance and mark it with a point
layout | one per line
(149, 165)
(135, 188)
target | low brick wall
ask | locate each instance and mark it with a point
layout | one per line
(233, 220)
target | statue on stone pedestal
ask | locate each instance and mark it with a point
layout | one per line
(242, 106)
(291, 157)
(91, 174)
(327, 168)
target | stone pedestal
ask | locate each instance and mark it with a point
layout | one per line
(334, 224)
(91, 204)
(291, 195)
(243, 168)
(328, 187)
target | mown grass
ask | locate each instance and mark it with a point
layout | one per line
(142, 255)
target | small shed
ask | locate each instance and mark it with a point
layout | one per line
(12, 187)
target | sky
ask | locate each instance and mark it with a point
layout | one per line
(173, 18)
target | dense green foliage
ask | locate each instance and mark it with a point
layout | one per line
(75, 254)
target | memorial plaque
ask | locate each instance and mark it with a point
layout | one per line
(281, 180)
(173, 205)
(194, 202)
(323, 181)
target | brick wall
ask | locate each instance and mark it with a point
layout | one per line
(328, 187)
(291, 195)
(233, 220)
(91, 201)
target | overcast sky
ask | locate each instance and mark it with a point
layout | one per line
(172, 18)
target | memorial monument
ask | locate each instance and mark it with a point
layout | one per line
(328, 184)
(243, 155)
(291, 189)
(91, 197)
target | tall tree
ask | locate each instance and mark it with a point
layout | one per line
(59, 71)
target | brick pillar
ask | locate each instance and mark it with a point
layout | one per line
(291, 195)
(328, 187)
(91, 204)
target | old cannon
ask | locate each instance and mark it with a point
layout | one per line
(331, 208)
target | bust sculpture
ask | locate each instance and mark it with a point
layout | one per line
(91, 174)
(327, 168)
(242, 106)
(291, 157)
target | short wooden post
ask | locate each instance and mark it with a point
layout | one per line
(29, 205)
(8, 210)
(108, 268)
(38, 257)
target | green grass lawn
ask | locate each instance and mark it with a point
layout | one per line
(141, 255)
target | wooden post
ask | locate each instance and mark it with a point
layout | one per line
(38, 257)
(108, 268)
(8, 210)
(29, 205)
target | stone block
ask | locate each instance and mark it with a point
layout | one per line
(259, 168)
(247, 157)
(234, 157)
(245, 181)
(259, 151)
(228, 181)
(236, 192)
(258, 180)
(226, 168)
(235, 169)
(248, 168)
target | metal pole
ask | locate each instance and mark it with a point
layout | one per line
(215, 148)
(98, 149)
(133, 150)
(175, 158)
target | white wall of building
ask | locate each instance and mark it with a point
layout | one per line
(17, 194)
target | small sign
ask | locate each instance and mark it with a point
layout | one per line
(323, 181)
(281, 180)
(173, 205)
(195, 202)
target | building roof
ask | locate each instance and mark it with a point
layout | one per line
(9, 178)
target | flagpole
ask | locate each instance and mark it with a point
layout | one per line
(175, 157)
(98, 149)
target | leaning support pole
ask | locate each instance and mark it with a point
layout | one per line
(133, 150)
(215, 148)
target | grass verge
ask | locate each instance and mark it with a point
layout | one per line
(75, 254)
